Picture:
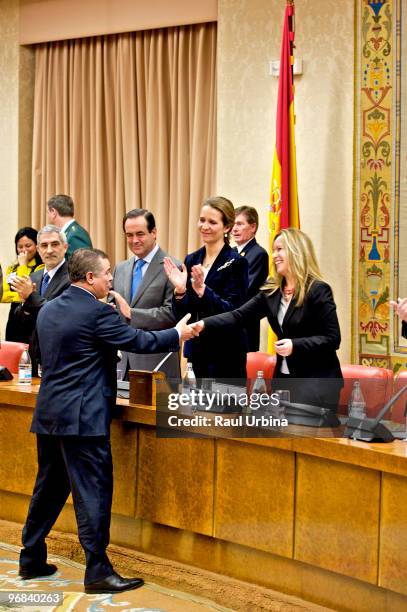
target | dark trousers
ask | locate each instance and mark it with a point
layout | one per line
(81, 465)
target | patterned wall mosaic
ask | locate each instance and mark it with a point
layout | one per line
(378, 28)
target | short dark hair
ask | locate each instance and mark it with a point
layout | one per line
(84, 261)
(140, 212)
(251, 214)
(63, 204)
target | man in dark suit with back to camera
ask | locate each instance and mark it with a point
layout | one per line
(142, 290)
(79, 337)
(60, 212)
(243, 232)
(43, 285)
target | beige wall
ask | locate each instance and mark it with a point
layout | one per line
(249, 36)
(16, 84)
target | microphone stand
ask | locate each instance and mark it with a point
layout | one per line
(372, 430)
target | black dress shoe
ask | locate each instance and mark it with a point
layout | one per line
(35, 571)
(113, 584)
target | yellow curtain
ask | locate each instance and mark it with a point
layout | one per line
(128, 121)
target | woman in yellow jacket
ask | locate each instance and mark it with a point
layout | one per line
(28, 260)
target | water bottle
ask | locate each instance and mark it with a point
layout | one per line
(357, 404)
(24, 369)
(189, 380)
(259, 385)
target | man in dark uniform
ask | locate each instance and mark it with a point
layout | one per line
(60, 212)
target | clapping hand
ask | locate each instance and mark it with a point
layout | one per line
(176, 276)
(198, 279)
(121, 303)
(23, 285)
(400, 307)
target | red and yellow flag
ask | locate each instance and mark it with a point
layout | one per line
(283, 191)
(283, 210)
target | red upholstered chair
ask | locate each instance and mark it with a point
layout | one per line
(10, 353)
(397, 412)
(259, 361)
(376, 385)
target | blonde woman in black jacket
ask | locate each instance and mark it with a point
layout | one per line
(301, 310)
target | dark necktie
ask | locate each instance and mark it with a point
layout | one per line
(137, 276)
(45, 283)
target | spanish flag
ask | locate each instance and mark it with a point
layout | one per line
(283, 211)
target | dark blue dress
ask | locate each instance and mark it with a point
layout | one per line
(221, 354)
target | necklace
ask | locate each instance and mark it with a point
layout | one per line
(288, 292)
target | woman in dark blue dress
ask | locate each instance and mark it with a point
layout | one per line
(213, 280)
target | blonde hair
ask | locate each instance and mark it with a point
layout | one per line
(302, 263)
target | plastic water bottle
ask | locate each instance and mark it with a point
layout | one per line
(24, 369)
(357, 404)
(189, 380)
(259, 385)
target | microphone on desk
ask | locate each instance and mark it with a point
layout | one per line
(372, 430)
(123, 386)
(309, 415)
(5, 373)
(161, 363)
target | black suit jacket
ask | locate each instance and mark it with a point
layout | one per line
(220, 355)
(79, 337)
(258, 261)
(26, 314)
(312, 327)
(404, 329)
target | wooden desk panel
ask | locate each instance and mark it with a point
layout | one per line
(176, 481)
(228, 505)
(18, 460)
(254, 497)
(337, 517)
(393, 534)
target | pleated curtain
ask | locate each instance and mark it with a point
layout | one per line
(127, 121)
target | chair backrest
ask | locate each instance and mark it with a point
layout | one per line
(398, 409)
(259, 361)
(376, 384)
(10, 353)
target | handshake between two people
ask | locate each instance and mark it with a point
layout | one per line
(186, 331)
